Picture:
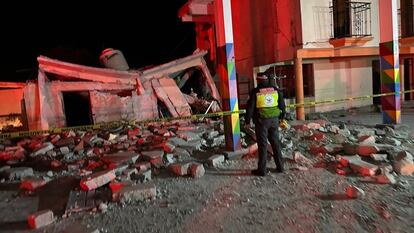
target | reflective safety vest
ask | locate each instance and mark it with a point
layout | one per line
(267, 103)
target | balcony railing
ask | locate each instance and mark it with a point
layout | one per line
(353, 19)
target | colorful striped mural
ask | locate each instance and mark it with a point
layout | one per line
(227, 70)
(389, 60)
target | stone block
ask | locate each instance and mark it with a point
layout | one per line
(363, 168)
(43, 150)
(97, 179)
(367, 150)
(32, 183)
(179, 169)
(367, 139)
(215, 160)
(196, 170)
(354, 192)
(155, 157)
(139, 192)
(40, 219)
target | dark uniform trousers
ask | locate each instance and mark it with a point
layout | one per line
(268, 129)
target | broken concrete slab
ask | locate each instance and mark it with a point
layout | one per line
(119, 158)
(17, 173)
(139, 192)
(181, 153)
(155, 157)
(367, 150)
(363, 168)
(188, 135)
(366, 139)
(354, 192)
(379, 157)
(97, 179)
(32, 183)
(179, 169)
(386, 179)
(43, 150)
(40, 219)
(196, 170)
(215, 160)
(233, 155)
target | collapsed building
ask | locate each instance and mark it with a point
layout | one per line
(67, 94)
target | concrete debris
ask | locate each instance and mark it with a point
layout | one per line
(17, 173)
(131, 193)
(32, 183)
(179, 169)
(354, 192)
(215, 160)
(379, 157)
(40, 219)
(232, 155)
(196, 170)
(97, 180)
(367, 139)
(41, 151)
(120, 163)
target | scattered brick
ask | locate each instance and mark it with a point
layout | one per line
(40, 219)
(97, 180)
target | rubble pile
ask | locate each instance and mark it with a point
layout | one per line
(110, 165)
(120, 165)
(379, 154)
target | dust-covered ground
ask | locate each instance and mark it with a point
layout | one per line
(307, 197)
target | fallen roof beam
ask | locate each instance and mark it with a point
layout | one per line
(70, 70)
(195, 60)
(87, 86)
(173, 66)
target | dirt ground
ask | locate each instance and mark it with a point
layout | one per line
(229, 199)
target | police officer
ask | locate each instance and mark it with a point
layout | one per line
(266, 106)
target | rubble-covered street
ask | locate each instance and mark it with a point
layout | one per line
(341, 176)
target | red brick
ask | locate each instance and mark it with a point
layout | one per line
(40, 219)
(97, 180)
(179, 169)
(196, 170)
(317, 136)
(32, 183)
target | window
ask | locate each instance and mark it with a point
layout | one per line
(350, 19)
(407, 24)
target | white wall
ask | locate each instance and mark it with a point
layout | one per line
(316, 23)
(342, 79)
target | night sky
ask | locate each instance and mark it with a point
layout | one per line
(147, 32)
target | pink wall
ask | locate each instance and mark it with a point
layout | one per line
(10, 101)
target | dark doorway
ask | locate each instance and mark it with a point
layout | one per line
(77, 108)
(376, 81)
(408, 78)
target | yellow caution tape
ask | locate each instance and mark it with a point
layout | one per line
(192, 117)
(314, 103)
(114, 124)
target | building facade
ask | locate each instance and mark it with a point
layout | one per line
(332, 45)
